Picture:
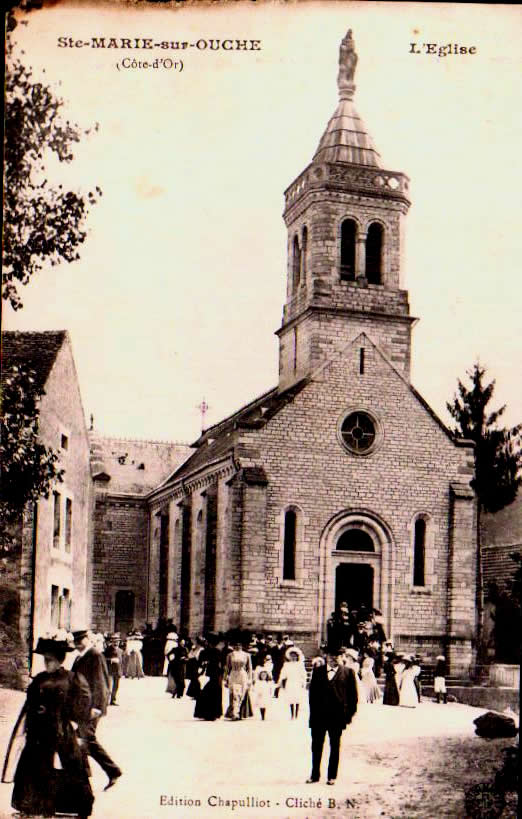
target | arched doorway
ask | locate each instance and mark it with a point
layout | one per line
(356, 566)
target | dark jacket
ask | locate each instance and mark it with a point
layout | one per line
(332, 702)
(94, 668)
(114, 659)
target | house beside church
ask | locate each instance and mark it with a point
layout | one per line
(48, 581)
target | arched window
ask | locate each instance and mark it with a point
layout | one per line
(348, 233)
(419, 553)
(296, 264)
(289, 545)
(355, 540)
(304, 247)
(373, 269)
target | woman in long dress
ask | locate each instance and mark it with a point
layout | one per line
(391, 691)
(292, 680)
(52, 774)
(194, 668)
(134, 665)
(408, 696)
(209, 702)
(238, 679)
(368, 682)
(170, 644)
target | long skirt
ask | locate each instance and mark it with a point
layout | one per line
(391, 692)
(134, 668)
(42, 790)
(369, 686)
(209, 703)
(237, 693)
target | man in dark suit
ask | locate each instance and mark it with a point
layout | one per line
(92, 665)
(333, 703)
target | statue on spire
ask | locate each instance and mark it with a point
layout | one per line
(347, 64)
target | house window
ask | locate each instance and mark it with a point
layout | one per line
(289, 545)
(373, 269)
(419, 553)
(348, 233)
(56, 519)
(64, 442)
(68, 524)
(55, 607)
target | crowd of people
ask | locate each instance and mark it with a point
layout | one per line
(236, 675)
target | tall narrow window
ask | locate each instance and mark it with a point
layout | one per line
(68, 524)
(296, 264)
(419, 553)
(304, 248)
(55, 606)
(373, 268)
(56, 519)
(348, 233)
(289, 545)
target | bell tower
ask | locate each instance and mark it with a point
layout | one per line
(345, 218)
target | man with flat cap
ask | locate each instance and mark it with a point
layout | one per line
(92, 665)
(333, 703)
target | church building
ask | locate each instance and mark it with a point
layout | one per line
(340, 483)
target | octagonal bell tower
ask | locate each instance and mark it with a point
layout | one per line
(345, 218)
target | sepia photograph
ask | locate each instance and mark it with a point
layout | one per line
(261, 410)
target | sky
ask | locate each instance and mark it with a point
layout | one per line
(182, 278)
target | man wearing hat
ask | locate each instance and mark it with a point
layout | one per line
(114, 658)
(92, 665)
(333, 703)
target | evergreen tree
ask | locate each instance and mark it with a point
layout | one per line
(498, 456)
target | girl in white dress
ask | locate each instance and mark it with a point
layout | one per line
(263, 690)
(408, 693)
(292, 680)
(368, 681)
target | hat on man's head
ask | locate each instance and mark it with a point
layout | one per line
(80, 634)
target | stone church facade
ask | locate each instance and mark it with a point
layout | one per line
(340, 483)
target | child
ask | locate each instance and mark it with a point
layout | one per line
(263, 689)
(439, 679)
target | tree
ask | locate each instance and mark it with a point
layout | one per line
(29, 469)
(43, 223)
(498, 455)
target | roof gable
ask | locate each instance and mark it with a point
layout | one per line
(37, 350)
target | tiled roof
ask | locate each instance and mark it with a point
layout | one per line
(37, 350)
(346, 139)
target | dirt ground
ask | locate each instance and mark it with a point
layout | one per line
(395, 762)
(429, 778)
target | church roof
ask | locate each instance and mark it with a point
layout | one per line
(346, 139)
(216, 441)
(37, 350)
